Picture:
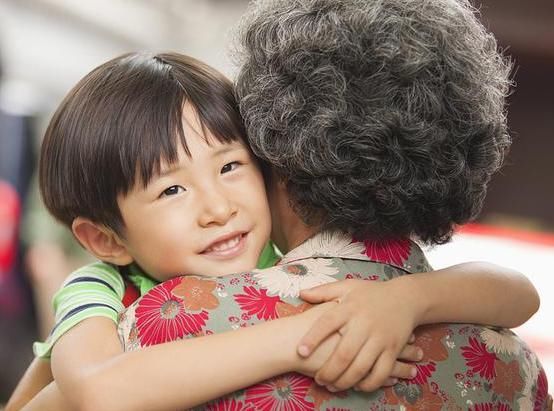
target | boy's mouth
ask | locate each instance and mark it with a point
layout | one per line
(227, 246)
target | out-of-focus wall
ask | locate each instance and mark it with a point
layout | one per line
(523, 192)
(48, 45)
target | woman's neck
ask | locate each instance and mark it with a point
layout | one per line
(295, 234)
(289, 231)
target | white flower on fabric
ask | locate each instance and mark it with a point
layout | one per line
(525, 403)
(530, 374)
(289, 279)
(501, 341)
(327, 244)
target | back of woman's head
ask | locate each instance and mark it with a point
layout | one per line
(385, 118)
(119, 122)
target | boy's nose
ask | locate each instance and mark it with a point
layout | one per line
(217, 209)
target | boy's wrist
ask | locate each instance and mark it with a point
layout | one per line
(418, 296)
(297, 327)
(285, 354)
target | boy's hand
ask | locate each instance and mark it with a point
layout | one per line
(375, 320)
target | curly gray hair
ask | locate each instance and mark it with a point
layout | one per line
(385, 118)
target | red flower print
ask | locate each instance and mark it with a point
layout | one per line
(388, 252)
(161, 316)
(257, 302)
(542, 392)
(424, 371)
(285, 393)
(229, 404)
(479, 359)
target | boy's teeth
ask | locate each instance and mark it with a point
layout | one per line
(224, 245)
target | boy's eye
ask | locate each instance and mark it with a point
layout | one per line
(171, 191)
(229, 167)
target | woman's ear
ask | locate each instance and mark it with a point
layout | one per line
(101, 242)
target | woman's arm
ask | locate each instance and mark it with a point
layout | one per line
(479, 292)
(174, 375)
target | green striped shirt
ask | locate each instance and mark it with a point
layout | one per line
(97, 290)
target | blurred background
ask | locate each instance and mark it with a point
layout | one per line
(46, 46)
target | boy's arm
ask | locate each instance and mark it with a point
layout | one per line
(480, 293)
(174, 375)
(36, 377)
(376, 318)
(49, 399)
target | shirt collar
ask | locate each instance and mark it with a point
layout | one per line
(400, 253)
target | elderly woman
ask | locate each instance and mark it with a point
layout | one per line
(377, 123)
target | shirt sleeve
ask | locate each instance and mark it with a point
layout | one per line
(95, 290)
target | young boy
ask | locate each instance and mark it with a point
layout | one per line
(145, 161)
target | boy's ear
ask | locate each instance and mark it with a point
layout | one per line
(101, 242)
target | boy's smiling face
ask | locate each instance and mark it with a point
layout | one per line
(205, 214)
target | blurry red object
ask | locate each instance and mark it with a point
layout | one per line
(10, 210)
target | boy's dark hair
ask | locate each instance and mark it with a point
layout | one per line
(119, 122)
(385, 118)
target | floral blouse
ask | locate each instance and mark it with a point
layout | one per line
(465, 367)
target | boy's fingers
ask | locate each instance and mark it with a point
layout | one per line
(324, 326)
(403, 370)
(334, 367)
(411, 352)
(379, 373)
(358, 369)
(390, 382)
(325, 292)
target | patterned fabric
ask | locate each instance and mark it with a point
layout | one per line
(100, 290)
(465, 367)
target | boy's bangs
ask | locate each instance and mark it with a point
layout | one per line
(158, 124)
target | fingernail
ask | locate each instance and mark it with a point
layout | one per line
(303, 351)
(394, 381)
(356, 388)
(331, 388)
(419, 354)
(413, 373)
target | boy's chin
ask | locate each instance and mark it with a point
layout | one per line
(224, 269)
